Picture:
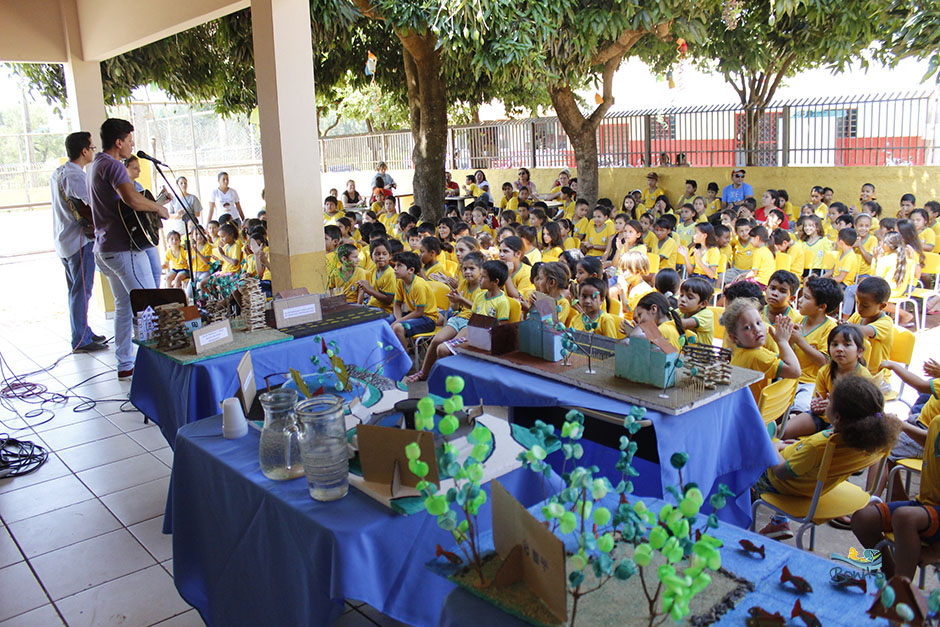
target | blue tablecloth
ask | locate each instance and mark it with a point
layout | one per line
(726, 440)
(251, 551)
(832, 605)
(173, 395)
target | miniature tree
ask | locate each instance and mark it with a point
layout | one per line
(466, 497)
(577, 509)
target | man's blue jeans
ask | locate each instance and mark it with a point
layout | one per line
(126, 271)
(80, 278)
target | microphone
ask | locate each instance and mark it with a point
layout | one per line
(143, 155)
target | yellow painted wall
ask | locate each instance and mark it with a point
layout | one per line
(890, 182)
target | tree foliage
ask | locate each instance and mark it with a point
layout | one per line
(918, 35)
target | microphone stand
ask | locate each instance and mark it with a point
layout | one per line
(189, 214)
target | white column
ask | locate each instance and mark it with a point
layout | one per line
(83, 87)
(290, 150)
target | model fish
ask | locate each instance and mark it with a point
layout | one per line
(750, 547)
(847, 579)
(807, 617)
(759, 617)
(798, 582)
(453, 558)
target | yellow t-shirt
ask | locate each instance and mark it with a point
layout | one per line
(523, 281)
(598, 237)
(930, 474)
(581, 227)
(436, 266)
(705, 331)
(332, 263)
(713, 207)
(464, 290)
(634, 294)
(384, 282)
(551, 254)
(267, 270)
(822, 212)
(179, 261)
(684, 233)
(886, 267)
(569, 209)
(670, 332)
(504, 203)
(760, 359)
(818, 338)
(349, 284)
(927, 236)
(572, 243)
(496, 307)
(793, 211)
(848, 263)
(650, 239)
(869, 246)
(877, 348)
(763, 265)
(248, 265)
(711, 258)
(564, 309)
(331, 218)
(824, 382)
(475, 190)
(534, 256)
(648, 198)
(233, 250)
(198, 264)
(804, 457)
(814, 252)
(668, 251)
(797, 257)
(931, 410)
(418, 294)
(743, 258)
(606, 325)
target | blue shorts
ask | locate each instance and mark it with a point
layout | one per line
(457, 324)
(416, 326)
(821, 425)
(930, 535)
(703, 276)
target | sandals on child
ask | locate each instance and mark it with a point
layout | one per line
(414, 378)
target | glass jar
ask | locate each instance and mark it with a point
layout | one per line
(279, 450)
(323, 445)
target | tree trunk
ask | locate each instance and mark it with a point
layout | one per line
(427, 105)
(582, 133)
(752, 117)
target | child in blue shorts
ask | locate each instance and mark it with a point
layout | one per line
(415, 308)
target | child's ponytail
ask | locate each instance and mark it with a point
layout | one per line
(858, 405)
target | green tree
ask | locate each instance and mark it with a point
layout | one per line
(918, 35)
(757, 44)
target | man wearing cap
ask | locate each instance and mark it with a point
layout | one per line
(733, 195)
(653, 191)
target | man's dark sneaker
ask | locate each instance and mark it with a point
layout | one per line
(91, 347)
(100, 339)
(125, 374)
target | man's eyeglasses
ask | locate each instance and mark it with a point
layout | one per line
(737, 176)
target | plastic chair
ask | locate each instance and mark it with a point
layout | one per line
(902, 350)
(720, 283)
(440, 291)
(907, 297)
(922, 564)
(844, 499)
(719, 330)
(908, 465)
(931, 266)
(515, 310)
(776, 399)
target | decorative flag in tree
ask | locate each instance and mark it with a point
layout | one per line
(370, 64)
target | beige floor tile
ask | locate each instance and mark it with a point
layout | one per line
(44, 616)
(150, 438)
(150, 534)
(9, 552)
(123, 474)
(63, 418)
(165, 455)
(186, 619)
(139, 503)
(120, 602)
(126, 421)
(105, 387)
(19, 591)
(72, 375)
(42, 497)
(52, 469)
(168, 566)
(62, 527)
(353, 619)
(98, 428)
(101, 452)
(86, 564)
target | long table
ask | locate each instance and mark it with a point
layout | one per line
(726, 440)
(251, 551)
(173, 394)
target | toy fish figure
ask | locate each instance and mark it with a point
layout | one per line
(807, 617)
(750, 547)
(846, 579)
(453, 558)
(759, 617)
(798, 582)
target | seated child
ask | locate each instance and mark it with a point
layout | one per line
(552, 279)
(810, 340)
(176, 262)
(488, 300)
(702, 258)
(461, 303)
(631, 286)
(592, 297)
(430, 251)
(666, 282)
(861, 434)
(258, 260)
(654, 307)
(762, 260)
(331, 240)
(877, 327)
(347, 276)
(697, 318)
(519, 285)
(229, 251)
(665, 245)
(202, 257)
(415, 309)
(378, 289)
(745, 327)
(844, 346)
(781, 289)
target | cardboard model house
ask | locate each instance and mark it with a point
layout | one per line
(646, 357)
(536, 338)
(486, 333)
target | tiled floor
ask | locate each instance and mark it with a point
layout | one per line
(81, 541)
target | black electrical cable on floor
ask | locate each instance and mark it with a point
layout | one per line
(20, 457)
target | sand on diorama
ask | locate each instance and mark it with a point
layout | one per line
(615, 603)
(241, 341)
(685, 395)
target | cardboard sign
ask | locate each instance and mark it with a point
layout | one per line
(488, 334)
(296, 291)
(531, 552)
(290, 312)
(384, 464)
(212, 336)
(546, 307)
(247, 387)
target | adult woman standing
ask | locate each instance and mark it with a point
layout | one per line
(178, 217)
(225, 198)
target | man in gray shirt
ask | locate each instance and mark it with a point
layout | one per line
(127, 269)
(74, 247)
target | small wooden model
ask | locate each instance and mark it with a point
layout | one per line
(170, 332)
(253, 304)
(710, 365)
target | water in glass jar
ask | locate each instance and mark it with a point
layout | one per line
(279, 454)
(327, 467)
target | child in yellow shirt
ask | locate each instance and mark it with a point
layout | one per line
(926, 235)
(697, 318)
(598, 232)
(229, 251)
(742, 260)
(702, 260)
(176, 262)
(745, 327)
(415, 308)
(665, 245)
(551, 242)
(519, 285)
(877, 327)
(819, 300)
(861, 434)
(846, 267)
(592, 295)
(347, 276)
(552, 280)
(762, 261)
(654, 307)
(631, 285)
(378, 289)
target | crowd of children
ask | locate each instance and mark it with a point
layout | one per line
(805, 292)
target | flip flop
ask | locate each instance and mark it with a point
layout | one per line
(414, 378)
(842, 522)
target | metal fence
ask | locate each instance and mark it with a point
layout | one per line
(886, 129)
(876, 130)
